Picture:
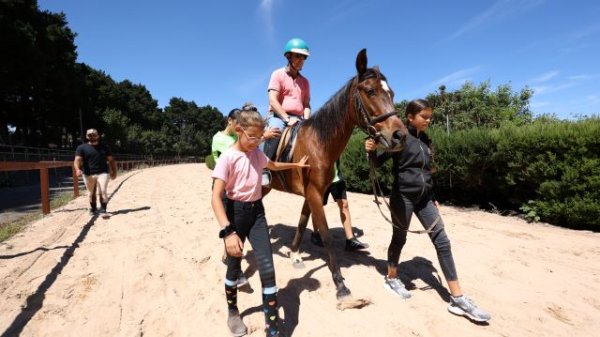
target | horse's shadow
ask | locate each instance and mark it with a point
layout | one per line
(418, 268)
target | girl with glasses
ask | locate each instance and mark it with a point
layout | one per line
(237, 173)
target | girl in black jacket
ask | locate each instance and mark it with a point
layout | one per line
(412, 192)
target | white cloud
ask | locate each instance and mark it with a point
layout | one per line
(592, 99)
(544, 77)
(546, 89)
(457, 77)
(585, 32)
(499, 10)
(346, 9)
(266, 7)
(583, 77)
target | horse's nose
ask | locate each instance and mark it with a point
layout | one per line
(398, 139)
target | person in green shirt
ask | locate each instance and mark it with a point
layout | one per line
(337, 189)
(222, 140)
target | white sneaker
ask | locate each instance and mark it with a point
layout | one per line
(397, 287)
(464, 306)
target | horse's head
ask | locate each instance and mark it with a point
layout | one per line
(374, 105)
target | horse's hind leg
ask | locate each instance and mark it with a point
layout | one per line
(295, 255)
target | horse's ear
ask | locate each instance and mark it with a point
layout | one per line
(361, 61)
(376, 68)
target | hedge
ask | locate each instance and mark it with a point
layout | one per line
(547, 171)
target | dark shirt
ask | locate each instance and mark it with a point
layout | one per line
(94, 158)
(411, 166)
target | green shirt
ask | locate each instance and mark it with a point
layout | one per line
(336, 173)
(220, 143)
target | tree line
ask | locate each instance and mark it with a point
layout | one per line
(48, 99)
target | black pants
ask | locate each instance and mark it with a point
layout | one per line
(250, 222)
(403, 206)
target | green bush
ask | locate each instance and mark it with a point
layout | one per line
(548, 170)
(355, 167)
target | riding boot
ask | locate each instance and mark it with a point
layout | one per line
(103, 207)
(270, 147)
(93, 207)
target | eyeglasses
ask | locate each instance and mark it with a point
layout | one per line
(92, 135)
(250, 138)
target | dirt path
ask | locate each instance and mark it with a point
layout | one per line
(154, 269)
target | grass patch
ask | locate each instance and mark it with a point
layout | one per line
(11, 228)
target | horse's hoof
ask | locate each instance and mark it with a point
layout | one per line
(296, 260)
(349, 302)
(298, 264)
(342, 293)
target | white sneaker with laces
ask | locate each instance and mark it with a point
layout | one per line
(464, 306)
(397, 287)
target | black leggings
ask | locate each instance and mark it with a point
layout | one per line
(403, 206)
(250, 222)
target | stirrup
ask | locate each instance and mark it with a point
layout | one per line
(266, 178)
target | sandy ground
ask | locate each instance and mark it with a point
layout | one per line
(154, 269)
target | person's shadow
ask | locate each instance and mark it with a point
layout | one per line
(129, 210)
(288, 298)
(420, 268)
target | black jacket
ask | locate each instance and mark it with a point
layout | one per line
(411, 166)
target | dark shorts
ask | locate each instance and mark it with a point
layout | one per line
(337, 190)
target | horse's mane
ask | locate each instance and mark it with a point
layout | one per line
(327, 120)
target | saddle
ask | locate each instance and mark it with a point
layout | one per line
(287, 143)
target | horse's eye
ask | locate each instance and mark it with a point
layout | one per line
(370, 92)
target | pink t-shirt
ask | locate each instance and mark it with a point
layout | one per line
(241, 172)
(292, 92)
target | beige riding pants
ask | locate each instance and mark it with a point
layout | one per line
(97, 183)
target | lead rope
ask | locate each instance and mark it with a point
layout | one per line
(376, 187)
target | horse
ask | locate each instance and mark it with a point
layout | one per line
(365, 101)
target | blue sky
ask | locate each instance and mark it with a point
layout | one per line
(221, 53)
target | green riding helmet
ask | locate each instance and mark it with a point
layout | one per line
(297, 46)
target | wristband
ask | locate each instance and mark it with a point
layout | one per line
(225, 231)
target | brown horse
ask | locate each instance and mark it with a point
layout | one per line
(365, 101)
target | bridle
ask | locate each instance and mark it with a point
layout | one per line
(369, 122)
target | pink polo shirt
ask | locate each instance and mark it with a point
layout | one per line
(292, 92)
(241, 172)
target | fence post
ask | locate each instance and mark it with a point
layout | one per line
(45, 187)
(75, 183)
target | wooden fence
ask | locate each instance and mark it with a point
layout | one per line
(43, 167)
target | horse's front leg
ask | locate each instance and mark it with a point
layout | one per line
(295, 254)
(320, 223)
